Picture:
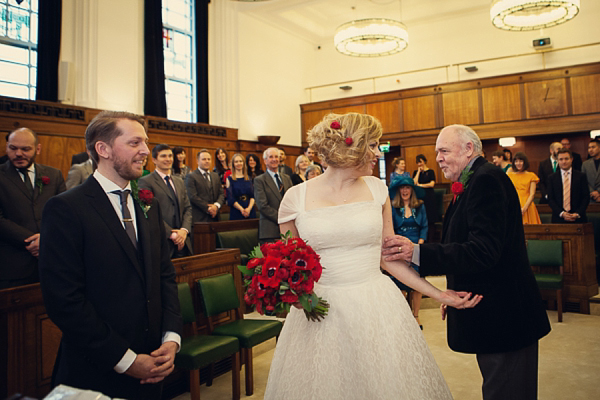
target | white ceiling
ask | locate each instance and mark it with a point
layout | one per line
(316, 20)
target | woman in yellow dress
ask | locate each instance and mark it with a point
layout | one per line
(525, 183)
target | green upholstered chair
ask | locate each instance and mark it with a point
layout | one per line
(219, 295)
(548, 254)
(244, 239)
(198, 351)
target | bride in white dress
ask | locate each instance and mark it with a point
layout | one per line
(369, 346)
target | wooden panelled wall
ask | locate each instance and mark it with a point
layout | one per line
(554, 101)
(61, 130)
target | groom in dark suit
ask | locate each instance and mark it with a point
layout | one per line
(105, 271)
(174, 203)
(483, 251)
(25, 187)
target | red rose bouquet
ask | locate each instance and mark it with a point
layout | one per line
(282, 274)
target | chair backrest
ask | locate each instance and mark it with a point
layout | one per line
(186, 303)
(545, 253)
(244, 239)
(218, 294)
(439, 201)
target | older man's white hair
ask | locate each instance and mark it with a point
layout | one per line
(266, 152)
(466, 135)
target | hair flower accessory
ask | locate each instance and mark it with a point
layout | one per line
(349, 141)
(335, 125)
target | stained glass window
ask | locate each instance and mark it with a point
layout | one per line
(18, 48)
(179, 51)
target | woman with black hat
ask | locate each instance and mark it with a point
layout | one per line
(410, 220)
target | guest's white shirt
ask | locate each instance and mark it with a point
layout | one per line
(115, 199)
(273, 177)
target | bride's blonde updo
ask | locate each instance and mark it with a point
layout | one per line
(342, 140)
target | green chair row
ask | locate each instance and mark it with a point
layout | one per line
(218, 295)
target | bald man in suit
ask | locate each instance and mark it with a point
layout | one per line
(25, 188)
(204, 190)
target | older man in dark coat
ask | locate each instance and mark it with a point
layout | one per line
(483, 251)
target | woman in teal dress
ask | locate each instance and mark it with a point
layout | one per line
(240, 192)
(410, 221)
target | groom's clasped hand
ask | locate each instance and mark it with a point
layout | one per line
(399, 248)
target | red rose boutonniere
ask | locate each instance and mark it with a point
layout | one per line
(459, 187)
(142, 196)
(41, 182)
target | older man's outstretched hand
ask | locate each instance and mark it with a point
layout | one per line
(397, 248)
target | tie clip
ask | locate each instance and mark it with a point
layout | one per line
(127, 219)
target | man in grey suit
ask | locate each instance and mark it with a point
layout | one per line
(204, 190)
(78, 173)
(591, 169)
(174, 203)
(25, 187)
(269, 189)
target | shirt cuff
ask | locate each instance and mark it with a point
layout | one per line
(218, 205)
(416, 258)
(172, 337)
(125, 362)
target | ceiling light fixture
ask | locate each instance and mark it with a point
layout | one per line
(372, 37)
(507, 141)
(527, 15)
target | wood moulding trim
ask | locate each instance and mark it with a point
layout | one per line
(562, 72)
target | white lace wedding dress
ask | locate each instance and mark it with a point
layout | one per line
(369, 346)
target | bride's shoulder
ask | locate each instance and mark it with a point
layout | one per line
(378, 188)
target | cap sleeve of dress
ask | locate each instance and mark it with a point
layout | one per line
(534, 177)
(378, 189)
(291, 204)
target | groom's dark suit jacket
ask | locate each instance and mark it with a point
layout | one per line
(103, 294)
(483, 251)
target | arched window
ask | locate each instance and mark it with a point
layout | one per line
(18, 48)
(179, 50)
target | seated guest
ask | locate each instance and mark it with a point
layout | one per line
(547, 168)
(240, 192)
(312, 172)
(253, 166)
(525, 183)
(302, 163)
(179, 167)
(175, 207)
(410, 220)
(78, 173)
(204, 190)
(568, 193)
(499, 160)
(566, 143)
(222, 165)
(25, 187)
(590, 168)
(399, 166)
(283, 168)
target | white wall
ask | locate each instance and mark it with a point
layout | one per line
(439, 50)
(103, 42)
(273, 71)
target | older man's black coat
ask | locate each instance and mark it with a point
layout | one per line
(483, 251)
(103, 294)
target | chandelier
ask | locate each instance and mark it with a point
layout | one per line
(371, 37)
(527, 15)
